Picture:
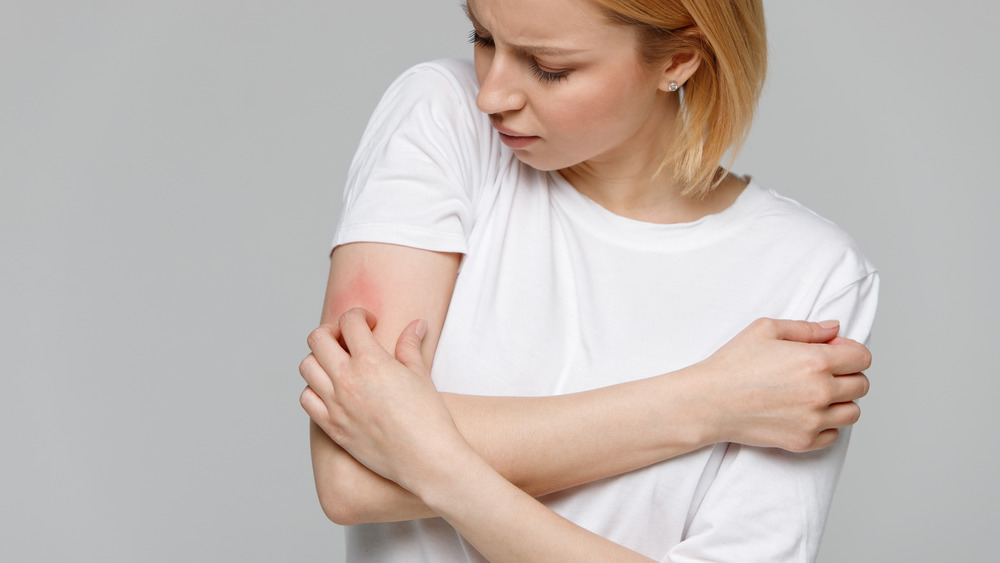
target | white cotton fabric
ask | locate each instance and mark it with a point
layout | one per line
(556, 294)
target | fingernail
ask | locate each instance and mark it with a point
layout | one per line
(421, 329)
(829, 324)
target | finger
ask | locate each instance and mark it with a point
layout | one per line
(826, 438)
(408, 346)
(323, 342)
(802, 331)
(356, 326)
(369, 317)
(843, 414)
(312, 404)
(316, 377)
(847, 357)
(850, 387)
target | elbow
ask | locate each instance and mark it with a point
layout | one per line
(339, 509)
(339, 481)
(350, 494)
(340, 494)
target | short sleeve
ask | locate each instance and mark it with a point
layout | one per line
(768, 504)
(854, 306)
(412, 181)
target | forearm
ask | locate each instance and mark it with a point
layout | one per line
(541, 444)
(767, 387)
(546, 444)
(505, 524)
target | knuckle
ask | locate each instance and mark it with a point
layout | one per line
(350, 314)
(365, 365)
(305, 365)
(824, 394)
(335, 431)
(765, 325)
(827, 438)
(866, 358)
(801, 442)
(817, 362)
(814, 424)
(306, 399)
(855, 413)
(316, 336)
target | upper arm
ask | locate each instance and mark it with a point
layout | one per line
(411, 186)
(398, 284)
(765, 504)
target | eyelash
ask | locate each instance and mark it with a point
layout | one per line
(542, 75)
(479, 40)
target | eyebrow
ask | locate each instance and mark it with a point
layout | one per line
(522, 49)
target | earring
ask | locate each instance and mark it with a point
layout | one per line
(673, 87)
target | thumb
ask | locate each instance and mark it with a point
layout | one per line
(408, 346)
(807, 332)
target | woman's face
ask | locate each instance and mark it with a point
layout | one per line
(564, 86)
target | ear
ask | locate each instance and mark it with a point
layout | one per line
(678, 69)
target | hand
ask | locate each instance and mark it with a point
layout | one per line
(789, 384)
(385, 413)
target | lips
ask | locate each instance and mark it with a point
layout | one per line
(512, 138)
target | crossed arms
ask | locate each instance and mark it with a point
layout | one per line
(540, 445)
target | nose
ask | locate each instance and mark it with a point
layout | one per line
(499, 89)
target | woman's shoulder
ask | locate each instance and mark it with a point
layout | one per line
(462, 71)
(432, 105)
(442, 80)
(435, 100)
(794, 216)
(804, 234)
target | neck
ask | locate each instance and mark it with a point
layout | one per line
(626, 182)
(649, 197)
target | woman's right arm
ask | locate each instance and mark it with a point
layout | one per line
(772, 385)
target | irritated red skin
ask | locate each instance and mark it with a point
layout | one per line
(354, 289)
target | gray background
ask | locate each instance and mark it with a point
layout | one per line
(170, 177)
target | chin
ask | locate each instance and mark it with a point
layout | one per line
(541, 163)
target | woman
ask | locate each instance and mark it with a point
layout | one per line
(604, 257)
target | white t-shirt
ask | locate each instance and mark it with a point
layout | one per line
(556, 294)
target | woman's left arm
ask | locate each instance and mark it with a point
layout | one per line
(388, 415)
(767, 504)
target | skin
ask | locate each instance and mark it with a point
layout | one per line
(388, 446)
(608, 142)
(359, 285)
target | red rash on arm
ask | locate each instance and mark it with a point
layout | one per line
(356, 289)
(397, 284)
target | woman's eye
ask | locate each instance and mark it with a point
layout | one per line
(541, 74)
(545, 75)
(479, 40)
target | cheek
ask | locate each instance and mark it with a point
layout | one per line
(596, 113)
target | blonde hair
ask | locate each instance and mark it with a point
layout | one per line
(720, 98)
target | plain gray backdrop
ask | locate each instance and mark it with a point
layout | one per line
(171, 174)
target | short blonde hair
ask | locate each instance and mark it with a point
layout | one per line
(720, 98)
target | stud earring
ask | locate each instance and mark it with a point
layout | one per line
(673, 87)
